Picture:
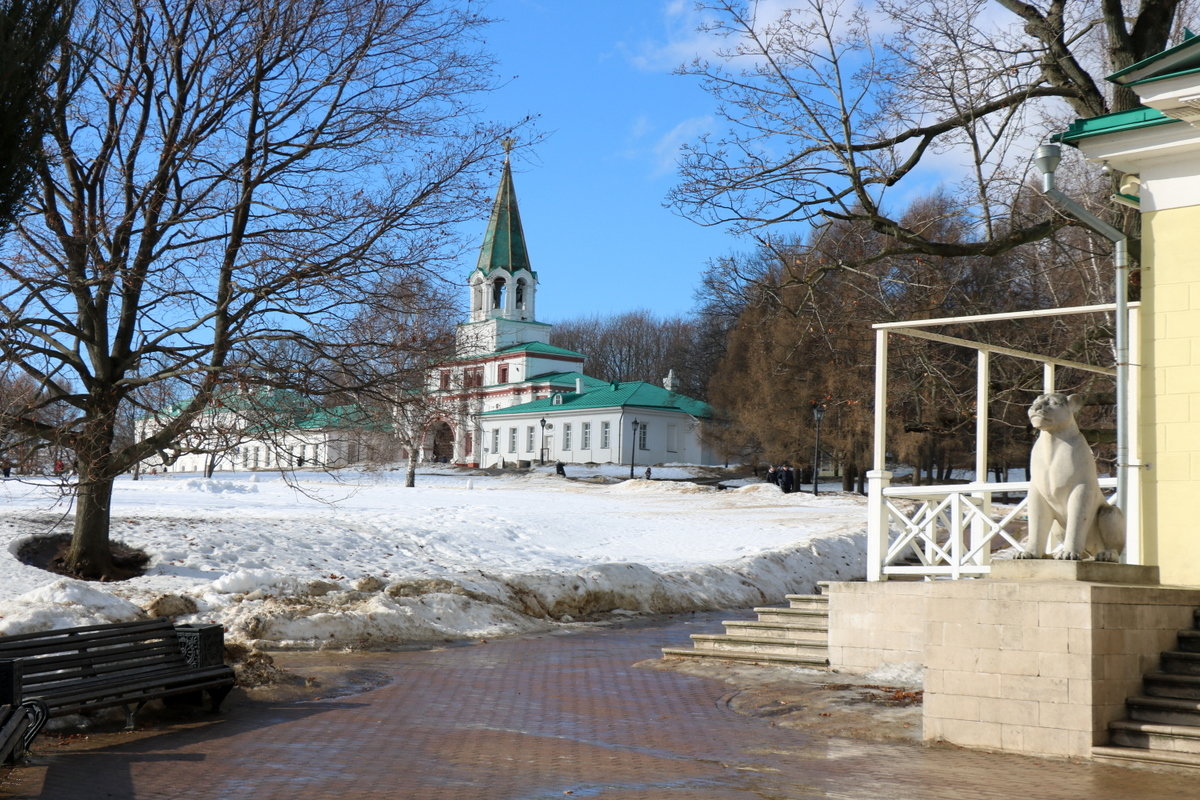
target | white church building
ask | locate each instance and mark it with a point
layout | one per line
(514, 398)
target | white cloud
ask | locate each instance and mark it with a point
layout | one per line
(666, 149)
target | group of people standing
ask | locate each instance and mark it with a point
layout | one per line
(784, 477)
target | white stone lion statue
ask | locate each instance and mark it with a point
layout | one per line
(1064, 495)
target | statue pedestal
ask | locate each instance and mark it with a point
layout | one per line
(1040, 656)
(1049, 569)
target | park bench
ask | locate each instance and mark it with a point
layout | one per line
(18, 725)
(122, 664)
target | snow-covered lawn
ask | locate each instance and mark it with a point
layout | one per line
(357, 559)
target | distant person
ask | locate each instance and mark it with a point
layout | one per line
(560, 468)
(647, 473)
(786, 477)
(59, 466)
(7, 468)
(772, 475)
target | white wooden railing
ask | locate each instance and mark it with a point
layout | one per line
(946, 531)
(949, 531)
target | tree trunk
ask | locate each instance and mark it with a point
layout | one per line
(210, 465)
(90, 554)
(410, 475)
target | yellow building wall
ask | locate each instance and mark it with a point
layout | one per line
(1170, 393)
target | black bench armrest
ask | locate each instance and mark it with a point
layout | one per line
(202, 645)
(10, 682)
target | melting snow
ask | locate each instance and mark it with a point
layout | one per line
(356, 558)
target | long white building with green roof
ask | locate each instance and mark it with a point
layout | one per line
(511, 396)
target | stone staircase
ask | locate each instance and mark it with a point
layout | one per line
(797, 635)
(1163, 726)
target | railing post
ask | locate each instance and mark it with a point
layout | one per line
(877, 522)
(881, 381)
(1133, 474)
(983, 382)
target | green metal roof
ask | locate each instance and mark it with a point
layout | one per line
(504, 242)
(1182, 58)
(1178, 60)
(628, 394)
(1133, 119)
(538, 347)
(269, 410)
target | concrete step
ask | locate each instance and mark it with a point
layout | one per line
(808, 602)
(1152, 736)
(1162, 684)
(1164, 710)
(758, 645)
(796, 615)
(1136, 756)
(1180, 662)
(1189, 641)
(812, 661)
(806, 631)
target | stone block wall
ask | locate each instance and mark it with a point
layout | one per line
(874, 624)
(1028, 662)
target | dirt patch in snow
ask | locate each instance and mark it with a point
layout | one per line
(823, 703)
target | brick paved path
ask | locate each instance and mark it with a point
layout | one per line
(543, 717)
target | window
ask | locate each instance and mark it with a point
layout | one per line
(444, 379)
(567, 436)
(255, 464)
(512, 440)
(473, 378)
(642, 437)
(585, 434)
(495, 440)
(502, 373)
(245, 456)
(529, 439)
(605, 434)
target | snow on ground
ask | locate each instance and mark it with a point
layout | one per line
(356, 559)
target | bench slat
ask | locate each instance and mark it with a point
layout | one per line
(41, 649)
(166, 652)
(124, 691)
(81, 633)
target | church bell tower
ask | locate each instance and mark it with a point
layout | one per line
(503, 285)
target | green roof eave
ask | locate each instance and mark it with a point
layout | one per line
(631, 394)
(538, 347)
(1120, 122)
(1178, 62)
(1163, 77)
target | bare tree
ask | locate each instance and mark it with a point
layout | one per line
(31, 31)
(223, 178)
(827, 118)
(638, 346)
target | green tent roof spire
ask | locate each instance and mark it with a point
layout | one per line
(504, 242)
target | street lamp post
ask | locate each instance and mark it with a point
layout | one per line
(633, 449)
(818, 415)
(542, 452)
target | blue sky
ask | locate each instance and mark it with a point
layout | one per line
(591, 195)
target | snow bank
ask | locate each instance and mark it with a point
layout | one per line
(64, 603)
(359, 560)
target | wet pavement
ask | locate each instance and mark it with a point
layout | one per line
(550, 716)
